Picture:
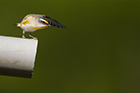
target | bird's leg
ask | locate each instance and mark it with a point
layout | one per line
(32, 36)
(23, 36)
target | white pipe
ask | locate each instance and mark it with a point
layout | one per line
(17, 56)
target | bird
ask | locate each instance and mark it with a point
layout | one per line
(34, 22)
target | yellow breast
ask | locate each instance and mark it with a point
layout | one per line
(36, 28)
(26, 22)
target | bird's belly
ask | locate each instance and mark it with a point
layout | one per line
(30, 28)
(27, 28)
(39, 27)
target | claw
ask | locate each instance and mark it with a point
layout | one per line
(35, 38)
(23, 36)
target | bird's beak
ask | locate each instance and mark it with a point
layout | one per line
(18, 24)
(14, 24)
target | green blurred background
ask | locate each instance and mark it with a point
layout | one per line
(98, 52)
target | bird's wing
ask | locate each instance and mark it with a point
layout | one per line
(53, 22)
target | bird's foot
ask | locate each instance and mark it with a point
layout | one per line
(32, 36)
(23, 36)
(35, 38)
